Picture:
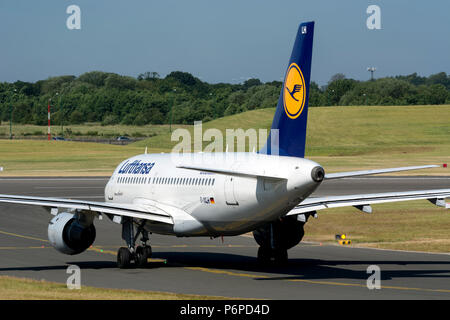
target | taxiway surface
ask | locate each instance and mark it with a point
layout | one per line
(210, 267)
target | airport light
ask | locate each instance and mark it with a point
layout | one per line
(171, 107)
(61, 109)
(48, 118)
(371, 70)
(62, 115)
(10, 115)
(329, 98)
(10, 121)
(342, 239)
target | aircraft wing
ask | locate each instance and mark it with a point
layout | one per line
(363, 201)
(138, 211)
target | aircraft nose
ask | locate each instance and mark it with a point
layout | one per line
(318, 174)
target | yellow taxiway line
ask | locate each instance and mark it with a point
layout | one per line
(225, 272)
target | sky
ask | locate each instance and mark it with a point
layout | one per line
(221, 41)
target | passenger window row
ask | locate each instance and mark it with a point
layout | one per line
(168, 181)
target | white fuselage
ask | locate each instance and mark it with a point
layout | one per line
(216, 203)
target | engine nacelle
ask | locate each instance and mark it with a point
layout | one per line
(281, 234)
(68, 236)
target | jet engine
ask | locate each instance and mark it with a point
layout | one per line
(67, 235)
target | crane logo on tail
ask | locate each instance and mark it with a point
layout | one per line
(294, 91)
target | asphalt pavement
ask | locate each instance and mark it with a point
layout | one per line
(212, 267)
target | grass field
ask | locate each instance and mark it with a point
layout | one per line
(61, 158)
(88, 129)
(339, 138)
(12, 288)
(411, 225)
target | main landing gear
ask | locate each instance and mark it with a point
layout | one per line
(276, 237)
(140, 254)
(267, 255)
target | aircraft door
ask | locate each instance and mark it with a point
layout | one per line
(230, 198)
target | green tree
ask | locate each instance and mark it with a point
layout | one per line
(77, 117)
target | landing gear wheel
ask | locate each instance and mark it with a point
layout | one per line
(148, 251)
(280, 256)
(142, 254)
(270, 256)
(264, 255)
(123, 258)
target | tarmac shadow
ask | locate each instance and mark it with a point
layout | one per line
(308, 269)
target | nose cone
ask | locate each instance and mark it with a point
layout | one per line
(318, 174)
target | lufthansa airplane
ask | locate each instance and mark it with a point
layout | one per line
(221, 194)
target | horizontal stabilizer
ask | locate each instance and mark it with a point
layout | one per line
(340, 175)
(233, 172)
(363, 201)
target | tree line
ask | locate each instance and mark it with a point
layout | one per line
(181, 98)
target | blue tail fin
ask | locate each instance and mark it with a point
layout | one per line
(292, 109)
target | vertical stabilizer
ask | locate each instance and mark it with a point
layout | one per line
(292, 110)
